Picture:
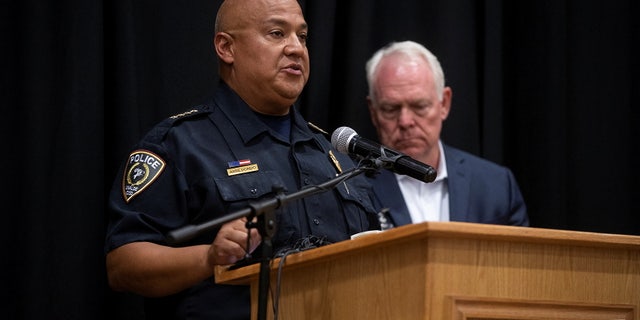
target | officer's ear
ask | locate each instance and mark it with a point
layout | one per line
(223, 43)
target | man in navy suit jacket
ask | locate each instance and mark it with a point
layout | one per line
(408, 102)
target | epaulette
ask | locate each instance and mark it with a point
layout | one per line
(187, 114)
(316, 128)
(177, 118)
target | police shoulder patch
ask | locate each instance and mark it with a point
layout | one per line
(143, 168)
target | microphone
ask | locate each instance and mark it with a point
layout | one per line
(347, 141)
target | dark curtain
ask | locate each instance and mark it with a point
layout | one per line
(547, 88)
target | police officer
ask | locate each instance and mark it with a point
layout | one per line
(214, 159)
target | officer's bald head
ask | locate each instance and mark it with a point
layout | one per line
(238, 14)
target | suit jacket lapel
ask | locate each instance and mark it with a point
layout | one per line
(386, 188)
(458, 184)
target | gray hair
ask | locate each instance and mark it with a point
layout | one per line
(412, 50)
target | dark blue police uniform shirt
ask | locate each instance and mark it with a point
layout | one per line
(182, 172)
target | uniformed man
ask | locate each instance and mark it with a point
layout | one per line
(216, 158)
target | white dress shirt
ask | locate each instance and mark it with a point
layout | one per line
(427, 201)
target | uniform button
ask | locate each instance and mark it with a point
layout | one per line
(254, 191)
(316, 221)
(306, 180)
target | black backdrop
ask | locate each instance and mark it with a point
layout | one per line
(548, 88)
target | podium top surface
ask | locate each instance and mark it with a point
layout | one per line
(439, 230)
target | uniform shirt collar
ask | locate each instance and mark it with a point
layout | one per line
(244, 119)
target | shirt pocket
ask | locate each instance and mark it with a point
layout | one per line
(247, 186)
(357, 203)
(356, 189)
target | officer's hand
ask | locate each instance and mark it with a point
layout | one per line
(230, 244)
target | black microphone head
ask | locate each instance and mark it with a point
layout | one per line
(341, 137)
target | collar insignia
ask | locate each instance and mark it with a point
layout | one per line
(316, 128)
(335, 161)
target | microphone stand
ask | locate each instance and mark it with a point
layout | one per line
(266, 225)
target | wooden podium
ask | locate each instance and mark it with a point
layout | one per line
(455, 270)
